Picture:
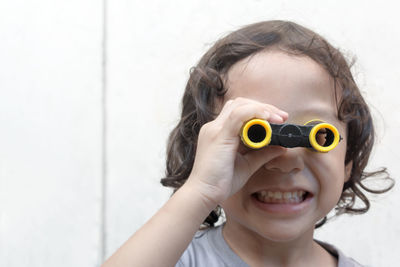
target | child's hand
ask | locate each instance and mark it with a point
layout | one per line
(220, 169)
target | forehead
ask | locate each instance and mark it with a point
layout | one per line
(296, 84)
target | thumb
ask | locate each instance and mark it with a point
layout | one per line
(257, 158)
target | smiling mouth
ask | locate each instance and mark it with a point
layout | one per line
(278, 197)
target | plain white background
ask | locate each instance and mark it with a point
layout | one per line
(89, 91)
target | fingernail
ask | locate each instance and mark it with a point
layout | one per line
(277, 117)
(284, 114)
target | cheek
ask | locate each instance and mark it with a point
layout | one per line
(231, 205)
(236, 206)
(331, 182)
(329, 171)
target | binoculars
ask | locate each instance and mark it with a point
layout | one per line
(315, 134)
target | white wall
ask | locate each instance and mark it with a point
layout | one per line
(68, 130)
(50, 132)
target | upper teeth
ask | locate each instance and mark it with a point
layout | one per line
(281, 195)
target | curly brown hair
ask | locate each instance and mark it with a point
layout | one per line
(206, 85)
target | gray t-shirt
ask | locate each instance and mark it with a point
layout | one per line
(209, 248)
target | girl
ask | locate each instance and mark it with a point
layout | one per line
(273, 198)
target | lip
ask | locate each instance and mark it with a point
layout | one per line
(289, 209)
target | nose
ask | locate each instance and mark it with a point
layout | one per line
(290, 161)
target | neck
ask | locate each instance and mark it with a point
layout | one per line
(257, 250)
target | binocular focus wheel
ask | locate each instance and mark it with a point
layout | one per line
(259, 130)
(330, 131)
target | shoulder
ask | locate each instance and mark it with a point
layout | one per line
(208, 248)
(343, 260)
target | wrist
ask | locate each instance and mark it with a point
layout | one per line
(208, 194)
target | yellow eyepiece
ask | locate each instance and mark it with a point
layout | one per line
(256, 133)
(324, 137)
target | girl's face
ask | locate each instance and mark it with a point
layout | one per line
(301, 87)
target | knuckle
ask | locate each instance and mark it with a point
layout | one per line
(230, 101)
(234, 113)
(204, 128)
(209, 129)
(240, 99)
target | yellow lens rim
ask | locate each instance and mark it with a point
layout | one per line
(313, 134)
(245, 130)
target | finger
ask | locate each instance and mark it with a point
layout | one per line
(234, 122)
(283, 114)
(231, 105)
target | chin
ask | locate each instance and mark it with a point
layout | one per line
(284, 232)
